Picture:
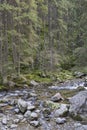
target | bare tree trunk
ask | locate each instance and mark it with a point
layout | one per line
(0, 44)
(5, 47)
(50, 33)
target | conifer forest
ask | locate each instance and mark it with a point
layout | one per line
(43, 54)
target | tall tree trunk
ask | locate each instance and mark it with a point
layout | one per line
(50, 33)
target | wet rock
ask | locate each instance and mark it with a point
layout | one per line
(78, 103)
(62, 111)
(60, 120)
(33, 83)
(35, 123)
(22, 105)
(57, 97)
(4, 121)
(27, 114)
(33, 116)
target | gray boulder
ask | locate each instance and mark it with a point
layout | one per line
(78, 103)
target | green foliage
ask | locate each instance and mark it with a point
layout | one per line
(38, 76)
(67, 62)
(43, 35)
(63, 75)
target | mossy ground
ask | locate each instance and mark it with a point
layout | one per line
(41, 77)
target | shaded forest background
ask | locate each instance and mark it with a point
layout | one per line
(43, 35)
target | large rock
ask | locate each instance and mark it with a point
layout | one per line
(62, 111)
(57, 97)
(22, 105)
(78, 103)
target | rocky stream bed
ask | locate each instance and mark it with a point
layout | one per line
(44, 107)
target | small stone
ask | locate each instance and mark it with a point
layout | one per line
(23, 120)
(60, 120)
(16, 110)
(37, 111)
(20, 117)
(32, 94)
(35, 123)
(25, 86)
(31, 107)
(27, 114)
(33, 83)
(13, 126)
(16, 121)
(57, 97)
(4, 121)
(33, 116)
